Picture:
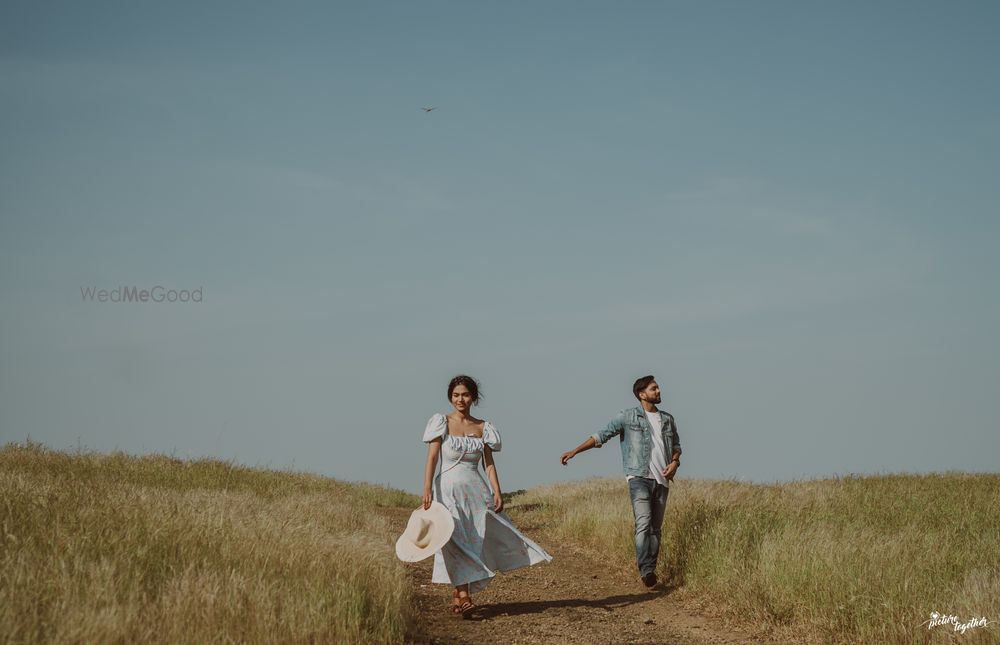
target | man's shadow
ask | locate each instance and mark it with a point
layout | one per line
(538, 606)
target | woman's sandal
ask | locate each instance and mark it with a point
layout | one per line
(466, 607)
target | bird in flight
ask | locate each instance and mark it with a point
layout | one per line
(428, 109)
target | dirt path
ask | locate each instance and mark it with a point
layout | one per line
(573, 599)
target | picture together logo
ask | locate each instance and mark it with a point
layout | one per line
(939, 620)
(134, 294)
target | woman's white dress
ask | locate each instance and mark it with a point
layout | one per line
(483, 542)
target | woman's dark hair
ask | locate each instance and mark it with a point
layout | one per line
(640, 385)
(470, 384)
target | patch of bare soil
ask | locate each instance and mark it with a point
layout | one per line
(573, 599)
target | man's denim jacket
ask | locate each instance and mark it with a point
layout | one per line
(633, 429)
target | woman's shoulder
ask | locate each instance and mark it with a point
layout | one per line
(491, 436)
(437, 426)
(482, 425)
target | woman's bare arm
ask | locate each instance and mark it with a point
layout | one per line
(491, 472)
(433, 450)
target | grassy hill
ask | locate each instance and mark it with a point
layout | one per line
(117, 548)
(103, 549)
(846, 560)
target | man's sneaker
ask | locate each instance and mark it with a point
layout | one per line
(649, 580)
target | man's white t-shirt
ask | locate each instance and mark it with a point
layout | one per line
(658, 455)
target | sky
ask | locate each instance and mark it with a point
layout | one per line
(785, 211)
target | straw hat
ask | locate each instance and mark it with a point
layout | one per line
(426, 532)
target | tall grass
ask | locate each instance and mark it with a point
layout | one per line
(847, 560)
(117, 548)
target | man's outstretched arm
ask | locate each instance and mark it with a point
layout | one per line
(586, 445)
(596, 440)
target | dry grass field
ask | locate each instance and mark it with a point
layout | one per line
(120, 549)
(847, 560)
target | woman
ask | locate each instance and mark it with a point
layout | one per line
(484, 540)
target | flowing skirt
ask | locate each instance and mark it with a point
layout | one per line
(483, 542)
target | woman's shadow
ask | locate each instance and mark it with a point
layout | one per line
(538, 606)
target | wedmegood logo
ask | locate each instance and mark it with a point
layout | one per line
(156, 294)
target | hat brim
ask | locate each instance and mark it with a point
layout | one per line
(442, 526)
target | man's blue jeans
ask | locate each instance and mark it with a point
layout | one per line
(649, 501)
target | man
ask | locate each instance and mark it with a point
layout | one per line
(647, 436)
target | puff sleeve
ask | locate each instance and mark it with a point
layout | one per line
(491, 437)
(437, 427)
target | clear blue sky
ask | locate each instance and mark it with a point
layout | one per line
(786, 211)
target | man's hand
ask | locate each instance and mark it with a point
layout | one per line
(671, 469)
(586, 445)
